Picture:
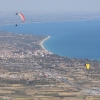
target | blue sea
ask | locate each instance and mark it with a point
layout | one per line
(76, 39)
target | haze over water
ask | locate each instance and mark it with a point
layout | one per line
(77, 39)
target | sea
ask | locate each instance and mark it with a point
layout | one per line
(74, 39)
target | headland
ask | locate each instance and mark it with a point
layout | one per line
(27, 71)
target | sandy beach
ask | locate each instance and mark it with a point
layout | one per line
(41, 43)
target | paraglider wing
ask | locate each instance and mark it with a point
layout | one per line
(87, 66)
(22, 16)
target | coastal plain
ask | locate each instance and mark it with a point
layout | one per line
(29, 72)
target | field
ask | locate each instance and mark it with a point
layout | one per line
(41, 92)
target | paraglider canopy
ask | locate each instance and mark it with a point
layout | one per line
(22, 16)
(87, 66)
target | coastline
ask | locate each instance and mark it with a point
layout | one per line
(48, 21)
(41, 44)
(44, 49)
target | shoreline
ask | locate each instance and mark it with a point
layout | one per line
(41, 44)
(47, 21)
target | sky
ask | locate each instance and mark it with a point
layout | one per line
(50, 5)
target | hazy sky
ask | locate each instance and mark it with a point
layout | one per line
(50, 5)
